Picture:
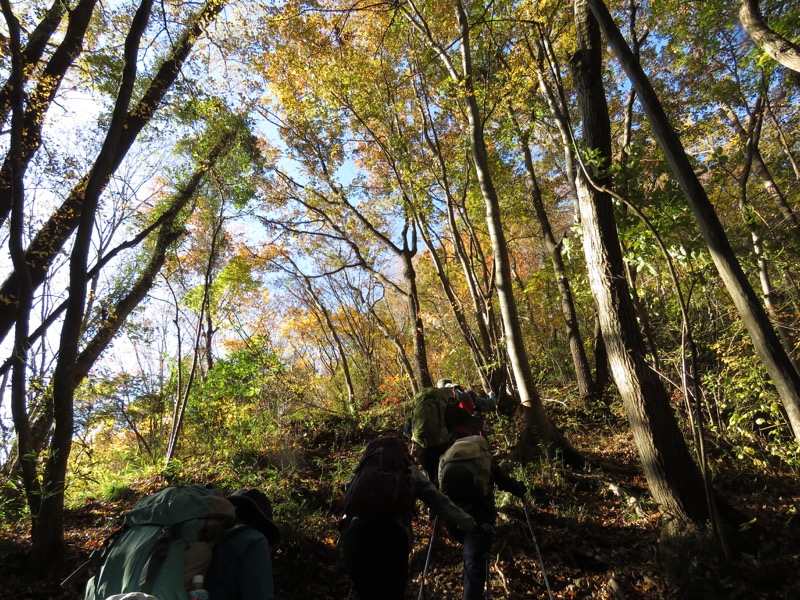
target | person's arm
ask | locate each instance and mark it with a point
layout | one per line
(255, 571)
(507, 483)
(441, 504)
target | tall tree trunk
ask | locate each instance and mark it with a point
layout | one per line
(631, 270)
(422, 372)
(19, 374)
(538, 428)
(583, 374)
(546, 65)
(456, 308)
(47, 533)
(182, 396)
(480, 282)
(748, 214)
(314, 300)
(673, 477)
(766, 342)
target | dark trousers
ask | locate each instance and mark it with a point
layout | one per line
(476, 548)
(376, 556)
(429, 459)
(476, 553)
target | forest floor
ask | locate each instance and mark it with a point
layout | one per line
(596, 535)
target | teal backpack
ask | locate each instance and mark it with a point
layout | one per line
(428, 426)
(165, 540)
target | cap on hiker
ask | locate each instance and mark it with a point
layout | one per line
(444, 383)
(254, 508)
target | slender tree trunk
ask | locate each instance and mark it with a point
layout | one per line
(767, 291)
(583, 374)
(47, 533)
(205, 307)
(402, 355)
(19, 373)
(423, 375)
(673, 477)
(483, 347)
(327, 321)
(631, 270)
(456, 308)
(545, 62)
(539, 429)
(765, 340)
(481, 284)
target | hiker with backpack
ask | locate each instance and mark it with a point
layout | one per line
(468, 475)
(431, 424)
(187, 540)
(379, 504)
(241, 568)
(464, 413)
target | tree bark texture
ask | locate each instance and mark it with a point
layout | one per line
(778, 47)
(673, 477)
(539, 428)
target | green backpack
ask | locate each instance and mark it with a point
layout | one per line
(465, 470)
(427, 421)
(164, 541)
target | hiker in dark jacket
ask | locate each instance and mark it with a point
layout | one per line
(376, 549)
(464, 413)
(460, 481)
(241, 568)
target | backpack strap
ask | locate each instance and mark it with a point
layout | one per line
(95, 558)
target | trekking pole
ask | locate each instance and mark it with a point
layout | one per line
(488, 584)
(538, 553)
(427, 559)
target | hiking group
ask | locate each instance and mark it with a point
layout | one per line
(193, 542)
(376, 539)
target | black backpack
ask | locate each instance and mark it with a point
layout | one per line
(381, 487)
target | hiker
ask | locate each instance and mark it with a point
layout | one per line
(186, 538)
(240, 567)
(380, 500)
(468, 475)
(464, 411)
(431, 428)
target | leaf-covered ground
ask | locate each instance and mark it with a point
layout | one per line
(597, 534)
